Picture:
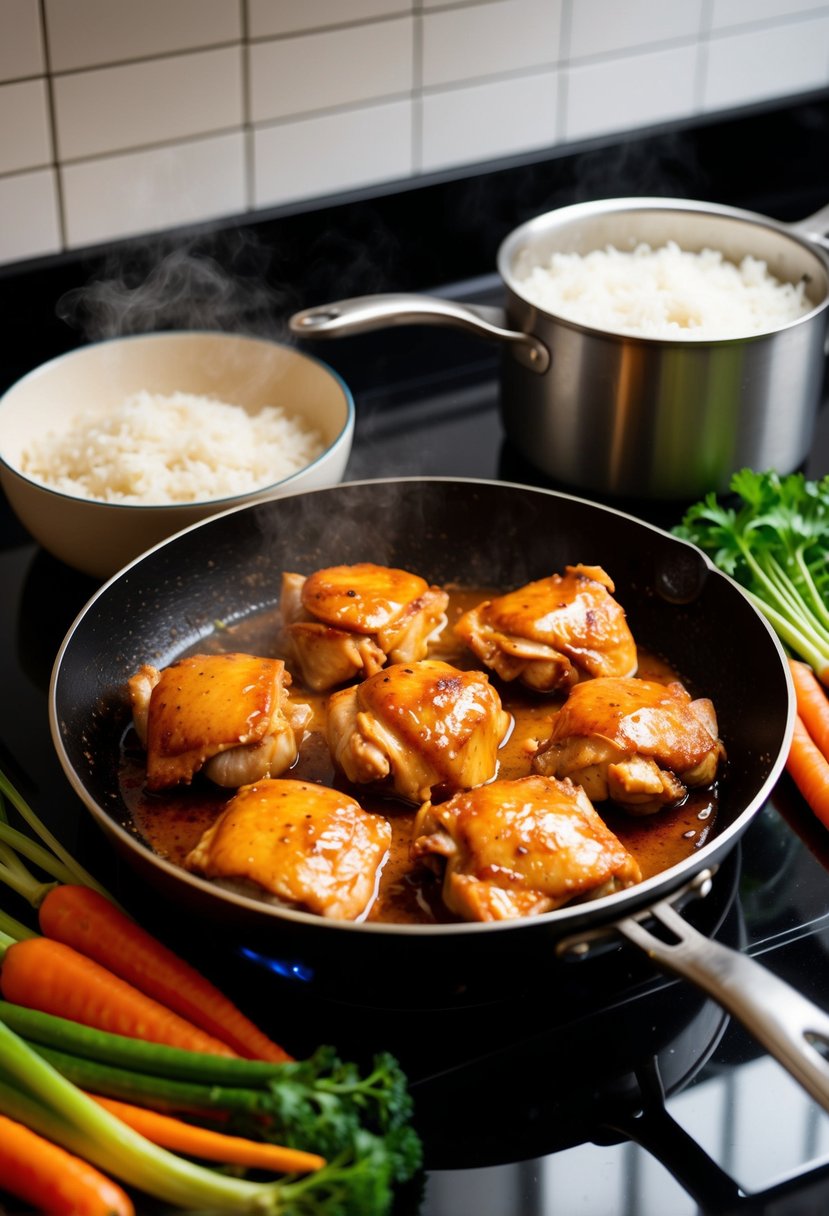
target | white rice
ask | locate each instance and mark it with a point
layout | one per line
(665, 293)
(156, 449)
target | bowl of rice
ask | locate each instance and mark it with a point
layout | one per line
(113, 447)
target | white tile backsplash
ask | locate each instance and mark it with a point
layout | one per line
(489, 39)
(633, 91)
(21, 39)
(482, 122)
(352, 148)
(25, 141)
(725, 13)
(87, 33)
(29, 207)
(169, 112)
(600, 27)
(158, 100)
(269, 18)
(756, 64)
(337, 68)
(121, 196)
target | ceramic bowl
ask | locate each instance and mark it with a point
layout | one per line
(99, 537)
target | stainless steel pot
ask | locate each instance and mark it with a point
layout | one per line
(636, 416)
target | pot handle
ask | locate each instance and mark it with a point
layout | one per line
(814, 228)
(787, 1024)
(361, 314)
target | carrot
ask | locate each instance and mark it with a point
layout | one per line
(48, 975)
(54, 1181)
(84, 919)
(809, 769)
(196, 1141)
(812, 703)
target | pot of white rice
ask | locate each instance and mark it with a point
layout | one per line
(651, 346)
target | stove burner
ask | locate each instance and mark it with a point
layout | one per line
(286, 968)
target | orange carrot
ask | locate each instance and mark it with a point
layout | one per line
(48, 975)
(54, 1181)
(812, 703)
(809, 769)
(84, 919)
(196, 1141)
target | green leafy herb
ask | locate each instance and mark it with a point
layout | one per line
(320, 1104)
(40, 1087)
(774, 541)
(359, 1123)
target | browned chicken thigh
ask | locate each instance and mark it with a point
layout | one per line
(347, 621)
(519, 848)
(553, 632)
(640, 743)
(418, 727)
(308, 846)
(228, 715)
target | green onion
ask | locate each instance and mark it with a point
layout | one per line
(83, 1127)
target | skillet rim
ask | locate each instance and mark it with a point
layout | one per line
(568, 919)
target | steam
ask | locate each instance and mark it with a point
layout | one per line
(216, 284)
(661, 168)
(663, 165)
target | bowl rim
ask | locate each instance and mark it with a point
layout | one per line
(343, 436)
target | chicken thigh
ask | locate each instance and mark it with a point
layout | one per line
(418, 727)
(308, 846)
(640, 743)
(348, 621)
(553, 632)
(519, 848)
(228, 715)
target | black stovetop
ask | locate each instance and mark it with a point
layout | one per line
(553, 1094)
(625, 1093)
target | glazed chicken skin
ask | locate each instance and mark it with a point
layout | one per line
(519, 848)
(553, 632)
(348, 621)
(308, 846)
(418, 727)
(637, 742)
(226, 715)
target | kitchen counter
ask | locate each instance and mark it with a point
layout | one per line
(533, 1152)
(684, 1113)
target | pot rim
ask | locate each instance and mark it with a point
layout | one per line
(531, 230)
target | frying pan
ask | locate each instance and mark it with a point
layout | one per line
(477, 533)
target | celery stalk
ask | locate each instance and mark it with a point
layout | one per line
(85, 1128)
(77, 872)
(12, 931)
(17, 843)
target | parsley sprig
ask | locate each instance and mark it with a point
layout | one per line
(774, 541)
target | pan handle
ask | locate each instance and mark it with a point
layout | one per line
(360, 314)
(788, 1025)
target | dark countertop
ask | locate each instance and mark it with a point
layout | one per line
(510, 1168)
(428, 404)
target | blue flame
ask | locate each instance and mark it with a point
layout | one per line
(284, 967)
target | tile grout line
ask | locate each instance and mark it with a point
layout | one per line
(57, 163)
